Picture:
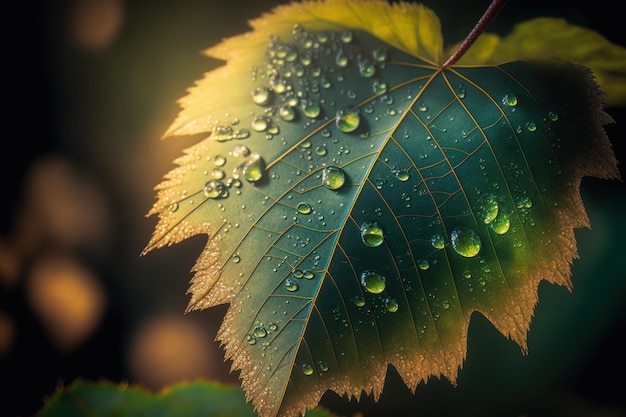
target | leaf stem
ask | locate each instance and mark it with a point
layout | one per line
(487, 17)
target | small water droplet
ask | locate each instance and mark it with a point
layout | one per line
(215, 189)
(307, 369)
(173, 207)
(524, 202)
(261, 95)
(291, 285)
(366, 67)
(287, 112)
(308, 274)
(272, 326)
(220, 160)
(259, 331)
(437, 242)
(236, 259)
(348, 119)
(531, 126)
(423, 264)
(250, 339)
(311, 109)
(252, 168)
(359, 301)
(297, 273)
(402, 175)
(465, 242)
(553, 116)
(372, 234)
(379, 86)
(391, 304)
(304, 208)
(323, 366)
(509, 100)
(321, 151)
(373, 281)
(333, 177)
(460, 91)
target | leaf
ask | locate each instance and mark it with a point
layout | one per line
(361, 202)
(185, 400)
(549, 38)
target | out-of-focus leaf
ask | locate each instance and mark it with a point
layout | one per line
(548, 38)
(361, 201)
(194, 399)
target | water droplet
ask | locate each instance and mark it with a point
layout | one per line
(291, 285)
(348, 119)
(510, 100)
(553, 116)
(250, 339)
(173, 207)
(297, 273)
(372, 234)
(488, 210)
(465, 242)
(321, 151)
(366, 67)
(359, 301)
(524, 202)
(501, 224)
(304, 208)
(341, 59)
(215, 189)
(422, 107)
(323, 366)
(260, 123)
(259, 332)
(218, 173)
(380, 54)
(423, 264)
(307, 369)
(261, 95)
(445, 305)
(287, 112)
(252, 168)
(402, 175)
(311, 109)
(391, 304)
(220, 161)
(373, 281)
(437, 242)
(333, 177)
(460, 91)
(241, 150)
(379, 86)
(236, 259)
(272, 326)
(346, 36)
(531, 126)
(308, 274)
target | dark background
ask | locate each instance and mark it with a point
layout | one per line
(97, 105)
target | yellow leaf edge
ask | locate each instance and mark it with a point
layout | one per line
(409, 27)
(554, 38)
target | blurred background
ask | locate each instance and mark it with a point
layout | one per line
(91, 87)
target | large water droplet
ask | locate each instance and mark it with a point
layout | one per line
(373, 281)
(488, 210)
(348, 119)
(333, 177)
(465, 242)
(372, 234)
(501, 224)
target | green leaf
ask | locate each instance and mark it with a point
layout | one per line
(192, 399)
(361, 201)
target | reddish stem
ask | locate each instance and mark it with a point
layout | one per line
(487, 17)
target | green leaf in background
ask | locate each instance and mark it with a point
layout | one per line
(361, 201)
(193, 399)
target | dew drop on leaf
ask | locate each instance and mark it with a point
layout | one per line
(373, 281)
(488, 208)
(252, 168)
(348, 119)
(323, 366)
(291, 285)
(250, 339)
(510, 100)
(215, 189)
(359, 301)
(372, 234)
(333, 177)
(531, 126)
(307, 369)
(297, 273)
(437, 242)
(259, 332)
(261, 95)
(423, 264)
(287, 112)
(308, 274)
(304, 208)
(501, 224)
(465, 242)
(391, 304)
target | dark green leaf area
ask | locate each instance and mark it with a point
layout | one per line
(365, 207)
(193, 399)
